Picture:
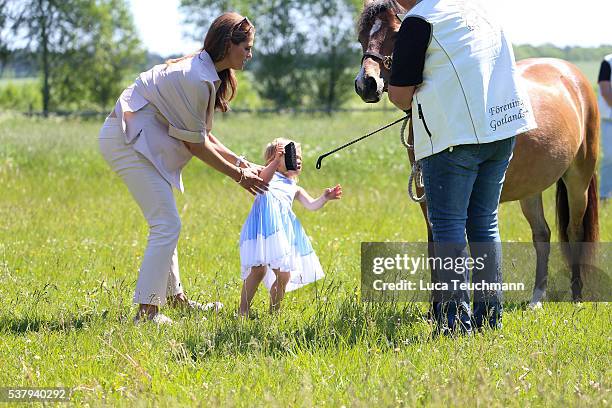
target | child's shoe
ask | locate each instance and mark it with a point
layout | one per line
(158, 319)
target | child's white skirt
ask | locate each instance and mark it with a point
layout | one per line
(273, 236)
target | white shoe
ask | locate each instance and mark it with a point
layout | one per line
(158, 319)
(215, 306)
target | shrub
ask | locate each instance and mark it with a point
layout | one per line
(20, 95)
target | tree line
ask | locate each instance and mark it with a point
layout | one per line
(86, 51)
(82, 48)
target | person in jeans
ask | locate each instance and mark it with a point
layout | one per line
(605, 109)
(454, 67)
(159, 123)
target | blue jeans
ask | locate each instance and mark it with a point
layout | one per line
(463, 186)
(605, 172)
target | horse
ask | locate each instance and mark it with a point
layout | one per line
(562, 150)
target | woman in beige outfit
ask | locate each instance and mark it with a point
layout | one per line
(158, 124)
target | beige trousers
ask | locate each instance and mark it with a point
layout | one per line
(158, 277)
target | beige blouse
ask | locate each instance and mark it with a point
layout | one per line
(171, 103)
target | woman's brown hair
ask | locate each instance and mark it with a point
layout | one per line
(227, 27)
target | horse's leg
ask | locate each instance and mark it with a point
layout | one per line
(574, 230)
(540, 233)
(581, 221)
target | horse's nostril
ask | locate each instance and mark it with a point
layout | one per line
(370, 83)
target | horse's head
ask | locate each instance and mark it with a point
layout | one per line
(376, 28)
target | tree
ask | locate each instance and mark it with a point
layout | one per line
(4, 51)
(282, 68)
(104, 60)
(47, 27)
(80, 43)
(200, 13)
(303, 50)
(333, 31)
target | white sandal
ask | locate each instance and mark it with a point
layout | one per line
(214, 306)
(158, 319)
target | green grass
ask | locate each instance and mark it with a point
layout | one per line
(18, 81)
(71, 240)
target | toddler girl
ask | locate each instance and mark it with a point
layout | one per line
(273, 245)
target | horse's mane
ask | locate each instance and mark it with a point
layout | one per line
(375, 8)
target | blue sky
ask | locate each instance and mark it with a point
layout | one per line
(561, 22)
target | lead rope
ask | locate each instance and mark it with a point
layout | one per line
(416, 175)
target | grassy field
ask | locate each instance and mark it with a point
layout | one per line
(17, 81)
(71, 240)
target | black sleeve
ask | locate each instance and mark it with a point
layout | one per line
(409, 53)
(604, 72)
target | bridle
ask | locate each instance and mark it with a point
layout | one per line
(385, 60)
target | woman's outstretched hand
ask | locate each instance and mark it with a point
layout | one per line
(251, 181)
(333, 193)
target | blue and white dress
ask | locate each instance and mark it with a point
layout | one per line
(273, 236)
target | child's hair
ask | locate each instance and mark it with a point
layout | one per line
(271, 148)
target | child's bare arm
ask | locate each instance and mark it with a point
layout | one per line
(268, 171)
(313, 204)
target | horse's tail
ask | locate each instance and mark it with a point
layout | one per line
(590, 221)
(562, 211)
(583, 252)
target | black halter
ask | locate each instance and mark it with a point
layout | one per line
(385, 60)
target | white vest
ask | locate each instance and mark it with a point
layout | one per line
(471, 91)
(605, 110)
